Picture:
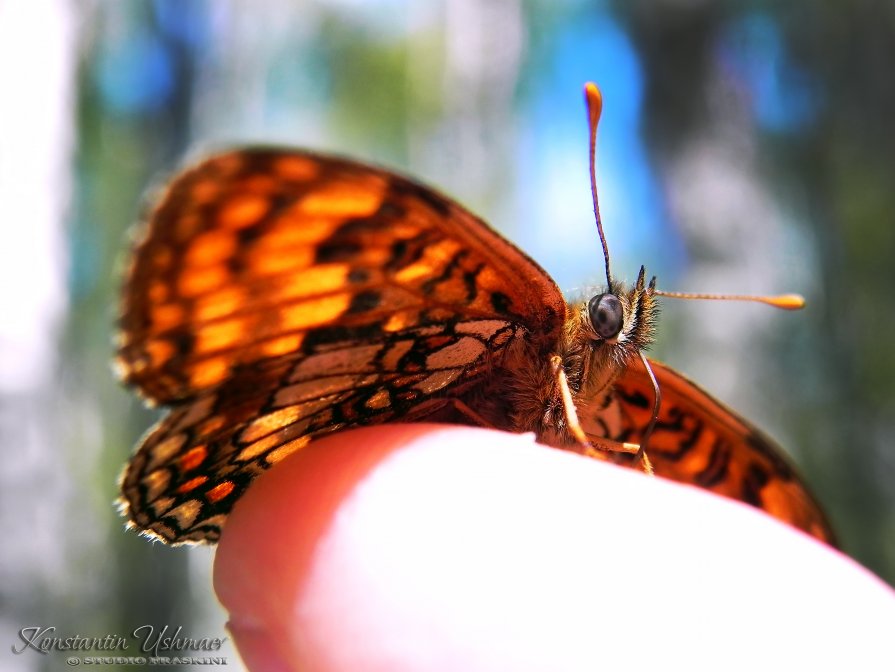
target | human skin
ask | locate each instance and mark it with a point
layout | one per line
(426, 547)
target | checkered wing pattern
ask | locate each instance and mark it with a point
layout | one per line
(277, 295)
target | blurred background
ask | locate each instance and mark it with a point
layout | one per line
(745, 147)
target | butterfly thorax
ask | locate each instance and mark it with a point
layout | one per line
(525, 393)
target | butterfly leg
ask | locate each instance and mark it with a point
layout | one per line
(645, 464)
(593, 446)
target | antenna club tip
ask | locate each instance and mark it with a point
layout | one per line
(789, 301)
(784, 301)
(594, 99)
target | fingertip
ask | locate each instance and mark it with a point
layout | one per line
(265, 564)
(290, 506)
(426, 547)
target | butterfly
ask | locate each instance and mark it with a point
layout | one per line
(277, 295)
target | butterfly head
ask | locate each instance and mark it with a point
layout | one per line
(606, 335)
(621, 318)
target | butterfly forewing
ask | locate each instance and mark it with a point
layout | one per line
(278, 295)
(261, 253)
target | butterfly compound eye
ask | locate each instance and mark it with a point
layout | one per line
(606, 315)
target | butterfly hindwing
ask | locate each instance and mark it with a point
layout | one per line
(699, 441)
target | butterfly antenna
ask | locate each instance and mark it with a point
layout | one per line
(784, 301)
(654, 418)
(594, 100)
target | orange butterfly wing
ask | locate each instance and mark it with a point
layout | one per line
(277, 295)
(699, 441)
(250, 253)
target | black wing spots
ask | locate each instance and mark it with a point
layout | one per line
(432, 316)
(414, 360)
(208, 509)
(337, 415)
(688, 427)
(493, 343)
(240, 480)
(184, 343)
(430, 286)
(389, 342)
(716, 469)
(358, 226)
(278, 203)
(470, 280)
(249, 234)
(500, 302)
(388, 212)
(602, 424)
(606, 401)
(210, 533)
(500, 338)
(358, 276)
(246, 380)
(397, 253)
(635, 398)
(360, 409)
(324, 336)
(236, 264)
(337, 250)
(408, 251)
(405, 189)
(363, 302)
(417, 358)
(754, 481)
(629, 398)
